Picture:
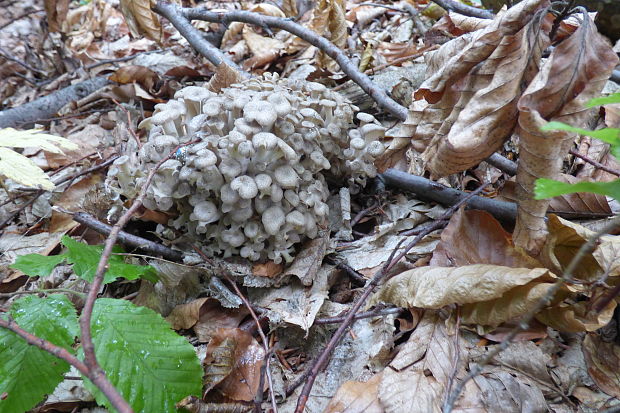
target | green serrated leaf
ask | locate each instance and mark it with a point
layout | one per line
(85, 259)
(27, 373)
(150, 365)
(606, 100)
(37, 265)
(548, 188)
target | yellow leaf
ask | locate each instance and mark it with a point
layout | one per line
(22, 170)
(10, 137)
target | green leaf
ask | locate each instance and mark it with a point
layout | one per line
(28, 373)
(150, 365)
(609, 135)
(85, 259)
(606, 100)
(37, 265)
(548, 188)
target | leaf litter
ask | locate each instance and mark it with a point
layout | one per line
(487, 84)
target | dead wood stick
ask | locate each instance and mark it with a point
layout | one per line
(47, 106)
(465, 10)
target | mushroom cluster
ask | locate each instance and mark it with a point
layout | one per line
(250, 179)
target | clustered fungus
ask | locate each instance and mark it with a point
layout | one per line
(253, 182)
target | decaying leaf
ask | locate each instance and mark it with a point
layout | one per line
(475, 237)
(576, 71)
(473, 91)
(224, 77)
(602, 359)
(355, 396)
(577, 317)
(564, 240)
(141, 19)
(56, 11)
(435, 287)
(233, 364)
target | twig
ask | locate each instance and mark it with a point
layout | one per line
(121, 59)
(88, 346)
(322, 360)
(124, 237)
(595, 163)
(21, 16)
(527, 318)
(194, 36)
(20, 209)
(258, 400)
(464, 9)
(377, 93)
(377, 312)
(100, 381)
(503, 164)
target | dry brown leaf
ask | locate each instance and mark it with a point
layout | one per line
(317, 23)
(141, 75)
(435, 287)
(607, 254)
(267, 269)
(356, 396)
(289, 7)
(576, 71)
(576, 318)
(338, 33)
(579, 202)
(476, 237)
(264, 49)
(233, 364)
(510, 306)
(473, 92)
(564, 240)
(602, 360)
(56, 11)
(205, 316)
(363, 14)
(466, 23)
(416, 380)
(309, 259)
(72, 199)
(141, 19)
(224, 77)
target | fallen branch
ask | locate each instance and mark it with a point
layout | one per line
(378, 94)
(194, 36)
(465, 10)
(47, 106)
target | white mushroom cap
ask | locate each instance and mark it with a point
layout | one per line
(251, 229)
(245, 186)
(365, 117)
(273, 218)
(263, 181)
(264, 140)
(228, 195)
(372, 131)
(286, 176)
(296, 219)
(206, 212)
(230, 168)
(357, 143)
(260, 111)
(375, 148)
(280, 103)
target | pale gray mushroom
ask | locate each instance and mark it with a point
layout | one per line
(264, 147)
(286, 177)
(273, 218)
(245, 186)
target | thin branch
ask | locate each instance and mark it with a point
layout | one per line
(458, 7)
(323, 359)
(377, 312)
(374, 91)
(194, 36)
(85, 319)
(527, 318)
(595, 163)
